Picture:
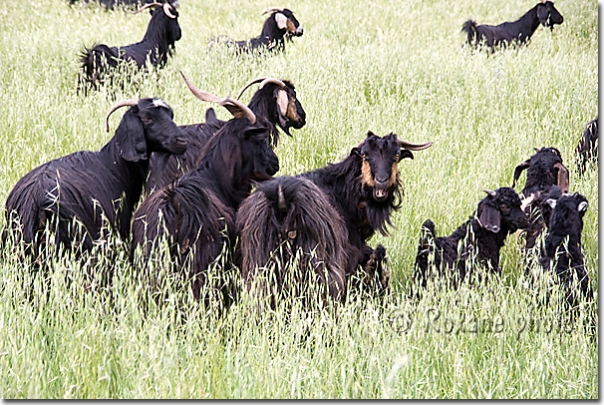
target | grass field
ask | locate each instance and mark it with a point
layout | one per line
(382, 66)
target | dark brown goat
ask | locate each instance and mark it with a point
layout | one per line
(519, 31)
(156, 46)
(196, 212)
(327, 216)
(587, 149)
(89, 185)
(482, 236)
(276, 100)
(545, 169)
(279, 25)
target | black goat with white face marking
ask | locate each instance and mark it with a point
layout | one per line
(276, 100)
(563, 243)
(545, 169)
(587, 149)
(86, 185)
(335, 209)
(279, 25)
(483, 235)
(156, 46)
(519, 31)
(194, 211)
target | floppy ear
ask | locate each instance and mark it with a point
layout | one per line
(542, 14)
(519, 169)
(281, 20)
(130, 137)
(582, 206)
(490, 218)
(552, 202)
(404, 153)
(282, 105)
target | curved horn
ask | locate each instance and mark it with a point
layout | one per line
(155, 4)
(125, 103)
(563, 181)
(167, 11)
(414, 146)
(270, 10)
(262, 81)
(235, 107)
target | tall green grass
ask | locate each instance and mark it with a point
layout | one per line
(381, 66)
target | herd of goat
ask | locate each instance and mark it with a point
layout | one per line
(197, 185)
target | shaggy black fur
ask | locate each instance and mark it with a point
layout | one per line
(330, 212)
(587, 149)
(482, 236)
(156, 46)
(519, 31)
(165, 168)
(87, 185)
(195, 211)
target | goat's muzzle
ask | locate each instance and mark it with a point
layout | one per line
(380, 190)
(299, 31)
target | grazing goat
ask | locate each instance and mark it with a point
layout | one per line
(519, 31)
(275, 100)
(483, 235)
(157, 45)
(327, 216)
(563, 243)
(545, 169)
(587, 150)
(194, 211)
(279, 25)
(89, 185)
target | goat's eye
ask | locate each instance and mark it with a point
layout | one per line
(504, 207)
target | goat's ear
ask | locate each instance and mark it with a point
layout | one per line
(281, 20)
(519, 169)
(404, 153)
(355, 152)
(552, 202)
(542, 13)
(490, 218)
(282, 105)
(130, 137)
(582, 206)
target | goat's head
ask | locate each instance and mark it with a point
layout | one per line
(147, 127)
(379, 168)
(500, 209)
(547, 14)
(280, 96)
(257, 156)
(545, 168)
(286, 21)
(166, 15)
(567, 213)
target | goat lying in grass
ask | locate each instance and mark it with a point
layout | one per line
(519, 31)
(480, 238)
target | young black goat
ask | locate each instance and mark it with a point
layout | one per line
(275, 100)
(545, 169)
(587, 150)
(88, 185)
(326, 215)
(195, 210)
(519, 31)
(483, 235)
(563, 243)
(279, 25)
(157, 45)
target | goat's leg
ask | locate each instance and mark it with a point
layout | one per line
(374, 264)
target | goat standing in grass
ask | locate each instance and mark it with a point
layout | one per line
(197, 212)
(89, 185)
(519, 31)
(157, 45)
(482, 236)
(279, 25)
(275, 100)
(327, 216)
(587, 150)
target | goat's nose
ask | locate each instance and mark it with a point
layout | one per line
(299, 30)
(381, 179)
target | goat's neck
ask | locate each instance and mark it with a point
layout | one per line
(271, 32)
(156, 41)
(525, 26)
(263, 104)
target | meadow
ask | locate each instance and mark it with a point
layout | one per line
(384, 66)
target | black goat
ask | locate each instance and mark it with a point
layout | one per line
(326, 215)
(482, 236)
(88, 185)
(157, 45)
(194, 211)
(545, 169)
(279, 25)
(587, 150)
(519, 31)
(275, 100)
(563, 243)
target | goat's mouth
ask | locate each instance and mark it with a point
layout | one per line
(380, 193)
(261, 176)
(178, 146)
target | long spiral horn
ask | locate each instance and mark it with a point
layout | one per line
(262, 81)
(414, 146)
(125, 103)
(167, 11)
(270, 10)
